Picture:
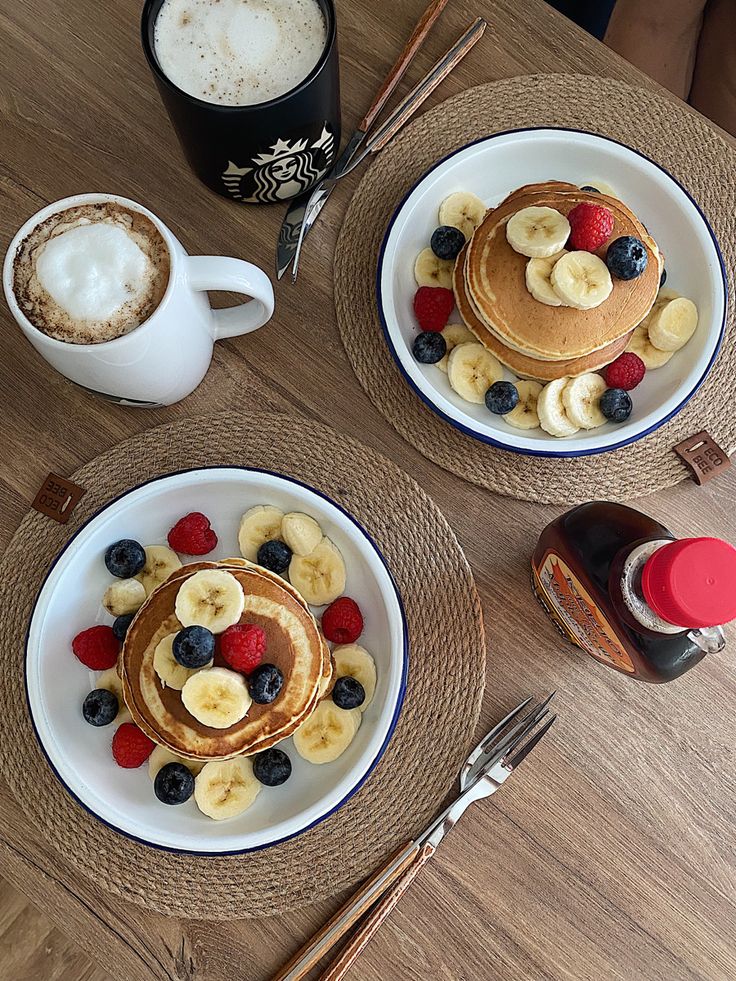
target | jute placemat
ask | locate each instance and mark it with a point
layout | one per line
(446, 674)
(678, 140)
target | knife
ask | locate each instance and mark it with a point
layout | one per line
(484, 772)
(439, 71)
(291, 226)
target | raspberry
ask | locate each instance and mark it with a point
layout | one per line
(342, 621)
(243, 646)
(131, 747)
(192, 535)
(625, 372)
(433, 306)
(97, 647)
(591, 226)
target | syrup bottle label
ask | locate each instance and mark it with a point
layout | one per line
(576, 614)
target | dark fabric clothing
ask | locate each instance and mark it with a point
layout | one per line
(592, 15)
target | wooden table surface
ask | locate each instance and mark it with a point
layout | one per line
(612, 856)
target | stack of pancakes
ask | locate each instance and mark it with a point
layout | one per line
(532, 339)
(293, 643)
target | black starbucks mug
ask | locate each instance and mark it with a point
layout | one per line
(262, 153)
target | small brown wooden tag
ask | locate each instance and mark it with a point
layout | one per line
(703, 456)
(57, 498)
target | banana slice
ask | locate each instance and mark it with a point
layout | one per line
(581, 397)
(110, 680)
(640, 344)
(124, 596)
(581, 280)
(537, 232)
(524, 414)
(160, 757)
(212, 598)
(225, 788)
(674, 324)
(602, 186)
(431, 271)
(319, 576)
(462, 210)
(354, 661)
(259, 525)
(300, 532)
(161, 561)
(538, 272)
(551, 410)
(171, 673)
(471, 370)
(454, 334)
(216, 697)
(327, 732)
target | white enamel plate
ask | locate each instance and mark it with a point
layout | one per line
(492, 168)
(57, 682)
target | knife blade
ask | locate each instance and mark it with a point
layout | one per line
(292, 223)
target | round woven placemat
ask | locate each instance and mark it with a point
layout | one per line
(677, 139)
(440, 711)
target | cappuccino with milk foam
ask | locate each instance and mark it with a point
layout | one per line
(91, 273)
(239, 52)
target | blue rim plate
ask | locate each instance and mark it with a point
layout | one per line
(492, 167)
(56, 684)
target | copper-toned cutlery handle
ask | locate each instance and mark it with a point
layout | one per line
(360, 939)
(347, 916)
(423, 90)
(420, 32)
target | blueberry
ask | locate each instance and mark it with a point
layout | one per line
(125, 558)
(174, 784)
(275, 556)
(447, 242)
(100, 707)
(429, 347)
(121, 624)
(663, 278)
(348, 693)
(272, 768)
(616, 404)
(589, 187)
(502, 397)
(265, 683)
(626, 257)
(194, 646)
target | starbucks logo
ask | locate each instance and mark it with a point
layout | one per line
(285, 171)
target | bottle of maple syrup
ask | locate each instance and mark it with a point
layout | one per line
(620, 586)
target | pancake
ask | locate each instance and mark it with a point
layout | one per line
(521, 364)
(495, 282)
(294, 645)
(328, 663)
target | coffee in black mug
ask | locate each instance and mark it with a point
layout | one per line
(252, 88)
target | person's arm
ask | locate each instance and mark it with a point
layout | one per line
(661, 39)
(713, 90)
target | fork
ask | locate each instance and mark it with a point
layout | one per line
(491, 762)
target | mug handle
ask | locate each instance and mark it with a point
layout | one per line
(218, 272)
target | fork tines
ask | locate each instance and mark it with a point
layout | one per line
(501, 742)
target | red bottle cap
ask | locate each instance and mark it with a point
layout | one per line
(692, 582)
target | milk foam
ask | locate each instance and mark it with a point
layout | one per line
(91, 273)
(92, 270)
(238, 52)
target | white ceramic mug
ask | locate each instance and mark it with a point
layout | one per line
(167, 356)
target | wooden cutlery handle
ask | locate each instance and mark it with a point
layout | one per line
(424, 26)
(335, 929)
(360, 939)
(403, 113)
